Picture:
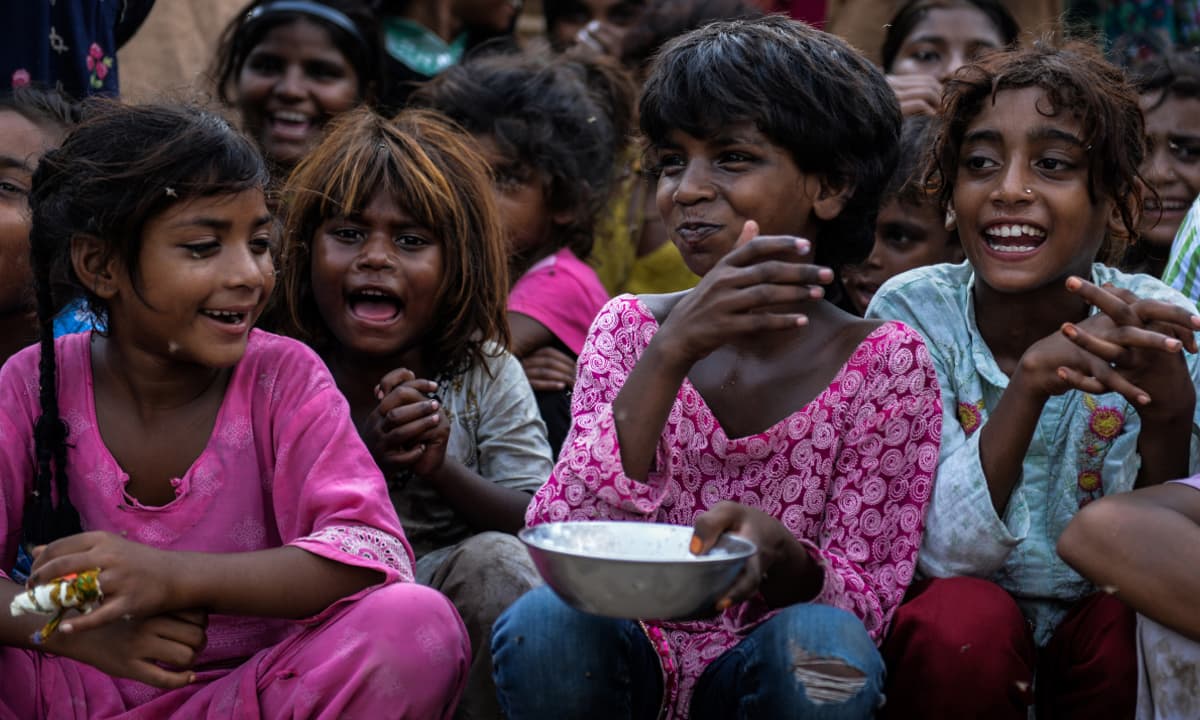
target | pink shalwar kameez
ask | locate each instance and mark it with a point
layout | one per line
(849, 474)
(283, 466)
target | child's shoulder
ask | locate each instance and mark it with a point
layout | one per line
(1146, 287)
(275, 362)
(927, 281)
(656, 306)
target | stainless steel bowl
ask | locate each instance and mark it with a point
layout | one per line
(634, 570)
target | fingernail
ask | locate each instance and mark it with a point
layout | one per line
(1069, 330)
(724, 604)
(1074, 283)
(1144, 399)
(695, 545)
(803, 245)
(593, 26)
(801, 320)
(66, 627)
(433, 405)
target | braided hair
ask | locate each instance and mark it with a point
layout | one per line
(121, 167)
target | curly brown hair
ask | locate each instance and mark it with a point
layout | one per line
(433, 171)
(1075, 78)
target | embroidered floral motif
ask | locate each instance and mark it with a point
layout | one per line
(98, 65)
(369, 543)
(970, 416)
(1104, 425)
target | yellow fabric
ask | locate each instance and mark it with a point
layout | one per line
(614, 249)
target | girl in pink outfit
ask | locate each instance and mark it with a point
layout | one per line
(250, 562)
(749, 404)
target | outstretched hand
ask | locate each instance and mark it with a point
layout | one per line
(407, 430)
(777, 550)
(753, 289)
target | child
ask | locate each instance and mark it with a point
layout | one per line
(396, 275)
(1183, 269)
(1062, 381)
(291, 65)
(224, 491)
(910, 231)
(31, 122)
(549, 129)
(928, 40)
(1145, 547)
(692, 408)
(1169, 85)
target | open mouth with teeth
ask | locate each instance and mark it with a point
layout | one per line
(228, 317)
(290, 124)
(374, 305)
(1165, 205)
(1014, 238)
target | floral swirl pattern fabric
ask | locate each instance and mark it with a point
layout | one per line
(850, 475)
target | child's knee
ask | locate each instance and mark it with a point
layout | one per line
(401, 617)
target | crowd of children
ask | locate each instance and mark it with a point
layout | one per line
(925, 333)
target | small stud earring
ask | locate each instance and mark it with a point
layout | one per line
(951, 219)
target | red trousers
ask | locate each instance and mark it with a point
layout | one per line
(960, 648)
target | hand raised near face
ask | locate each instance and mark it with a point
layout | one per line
(407, 430)
(755, 288)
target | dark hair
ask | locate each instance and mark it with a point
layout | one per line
(42, 107)
(907, 183)
(121, 167)
(914, 11)
(806, 90)
(354, 32)
(671, 18)
(1075, 79)
(431, 170)
(1156, 68)
(563, 116)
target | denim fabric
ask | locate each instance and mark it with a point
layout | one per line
(552, 661)
(765, 675)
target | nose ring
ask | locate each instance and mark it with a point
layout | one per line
(1028, 191)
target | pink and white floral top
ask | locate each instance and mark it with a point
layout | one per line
(850, 475)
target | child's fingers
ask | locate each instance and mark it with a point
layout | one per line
(408, 434)
(405, 457)
(1121, 312)
(111, 609)
(1103, 379)
(151, 674)
(401, 397)
(70, 545)
(396, 377)
(749, 232)
(765, 246)
(1114, 346)
(709, 526)
(401, 415)
(745, 585)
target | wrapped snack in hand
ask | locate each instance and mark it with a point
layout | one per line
(80, 591)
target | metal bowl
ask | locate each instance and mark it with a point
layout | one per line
(634, 570)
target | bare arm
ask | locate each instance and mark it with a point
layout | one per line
(483, 504)
(527, 334)
(1145, 545)
(140, 581)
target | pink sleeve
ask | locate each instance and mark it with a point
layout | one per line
(329, 496)
(1193, 481)
(565, 296)
(18, 408)
(588, 481)
(883, 480)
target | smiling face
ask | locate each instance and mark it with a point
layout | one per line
(291, 83)
(21, 144)
(1025, 216)
(945, 40)
(907, 236)
(709, 188)
(205, 273)
(376, 277)
(1172, 165)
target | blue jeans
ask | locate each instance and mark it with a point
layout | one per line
(552, 661)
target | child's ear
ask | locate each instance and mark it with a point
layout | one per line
(830, 198)
(1116, 226)
(94, 265)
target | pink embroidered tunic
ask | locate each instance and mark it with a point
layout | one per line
(850, 475)
(282, 466)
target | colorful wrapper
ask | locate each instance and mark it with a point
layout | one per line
(80, 591)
